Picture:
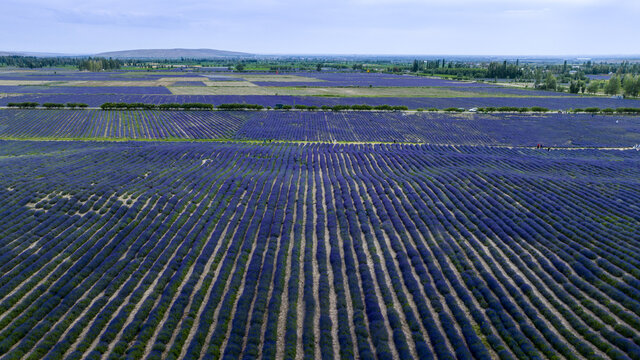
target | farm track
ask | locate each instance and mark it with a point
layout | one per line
(313, 249)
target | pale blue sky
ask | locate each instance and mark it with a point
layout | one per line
(464, 27)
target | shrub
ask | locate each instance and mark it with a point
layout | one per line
(539, 109)
(23, 105)
(53, 105)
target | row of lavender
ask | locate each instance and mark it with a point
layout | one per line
(442, 128)
(372, 79)
(321, 126)
(327, 78)
(85, 90)
(92, 76)
(321, 251)
(161, 90)
(120, 124)
(554, 103)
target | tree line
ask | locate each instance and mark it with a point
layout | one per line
(32, 62)
(99, 64)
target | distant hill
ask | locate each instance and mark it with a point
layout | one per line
(36, 54)
(172, 54)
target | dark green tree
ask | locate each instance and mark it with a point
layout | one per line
(550, 82)
(613, 86)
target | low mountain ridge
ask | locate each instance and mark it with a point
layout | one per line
(172, 54)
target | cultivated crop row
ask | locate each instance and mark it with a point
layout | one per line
(200, 250)
(564, 130)
(118, 124)
(500, 99)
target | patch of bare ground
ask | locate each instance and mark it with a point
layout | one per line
(49, 197)
(5, 95)
(222, 90)
(23, 82)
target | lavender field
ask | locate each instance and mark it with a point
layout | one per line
(566, 130)
(74, 91)
(266, 89)
(283, 251)
(553, 103)
(64, 124)
(558, 130)
(272, 234)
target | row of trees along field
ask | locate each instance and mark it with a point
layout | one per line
(98, 64)
(32, 62)
(628, 85)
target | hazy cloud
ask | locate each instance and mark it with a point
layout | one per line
(331, 26)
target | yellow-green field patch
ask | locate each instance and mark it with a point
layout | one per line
(5, 95)
(229, 83)
(24, 82)
(220, 90)
(329, 91)
(185, 78)
(109, 83)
